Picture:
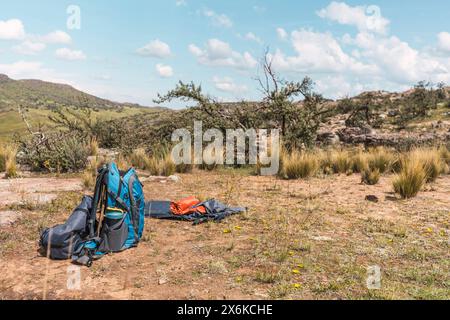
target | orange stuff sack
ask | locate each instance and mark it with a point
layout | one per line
(185, 206)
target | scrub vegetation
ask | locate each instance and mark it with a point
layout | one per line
(363, 181)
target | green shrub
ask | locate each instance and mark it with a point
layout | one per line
(60, 153)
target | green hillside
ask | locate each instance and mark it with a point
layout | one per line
(39, 98)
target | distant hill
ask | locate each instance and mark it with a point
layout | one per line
(41, 97)
(41, 94)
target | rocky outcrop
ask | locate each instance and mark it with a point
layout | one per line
(371, 138)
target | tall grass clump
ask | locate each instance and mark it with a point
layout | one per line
(431, 161)
(381, 158)
(168, 166)
(411, 178)
(139, 158)
(153, 166)
(8, 161)
(2, 157)
(341, 161)
(300, 165)
(444, 153)
(88, 179)
(370, 176)
(93, 147)
(360, 161)
(161, 166)
(122, 163)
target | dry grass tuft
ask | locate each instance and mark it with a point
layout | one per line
(370, 176)
(139, 158)
(161, 166)
(381, 158)
(411, 178)
(341, 161)
(300, 165)
(8, 160)
(431, 161)
(93, 147)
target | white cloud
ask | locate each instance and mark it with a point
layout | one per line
(219, 54)
(363, 17)
(220, 20)
(368, 61)
(318, 52)
(34, 44)
(227, 84)
(164, 71)
(29, 48)
(32, 70)
(252, 37)
(399, 62)
(181, 3)
(282, 34)
(56, 37)
(444, 41)
(12, 29)
(155, 48)
(70, 55)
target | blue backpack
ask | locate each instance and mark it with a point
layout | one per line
(115, 221)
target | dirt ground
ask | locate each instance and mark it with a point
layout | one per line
(305, 239)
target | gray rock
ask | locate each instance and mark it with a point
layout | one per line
(174, 178)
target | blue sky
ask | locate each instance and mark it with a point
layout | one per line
(131, 50)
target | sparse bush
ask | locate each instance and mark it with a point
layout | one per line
(58, 153)
(300, 165)
(411, 178)
(370, 176)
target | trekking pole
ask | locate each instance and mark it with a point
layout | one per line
(102, 212)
